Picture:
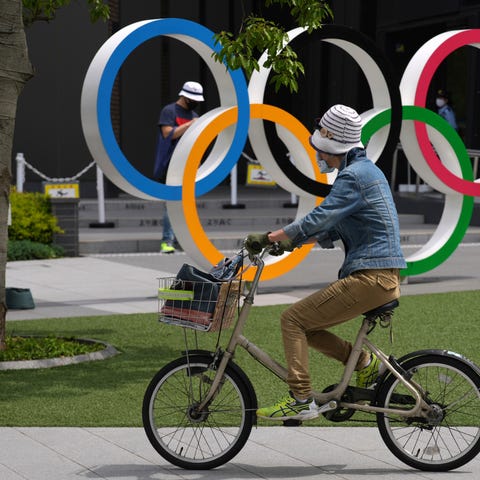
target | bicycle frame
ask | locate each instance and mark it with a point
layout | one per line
(237, 339)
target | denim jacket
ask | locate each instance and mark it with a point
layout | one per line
(359, 210)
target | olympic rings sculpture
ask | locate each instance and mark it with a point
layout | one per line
(396, 113)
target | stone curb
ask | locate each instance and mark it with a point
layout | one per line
(107, 352)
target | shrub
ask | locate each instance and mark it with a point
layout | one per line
(32, 218)
(28, 250)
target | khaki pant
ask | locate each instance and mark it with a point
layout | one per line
(305, 323)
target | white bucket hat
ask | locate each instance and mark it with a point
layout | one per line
(339, 130)
(193, 91)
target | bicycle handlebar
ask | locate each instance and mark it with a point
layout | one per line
(258, 260)
(257, 246)
(272, 248)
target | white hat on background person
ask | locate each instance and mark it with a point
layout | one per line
(339, 130)
(193, 91)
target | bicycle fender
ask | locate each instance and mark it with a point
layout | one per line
(186, 353)
(421, 353)
(442, 353)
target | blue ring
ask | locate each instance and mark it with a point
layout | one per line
(124, 167)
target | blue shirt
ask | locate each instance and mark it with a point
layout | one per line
(359, 210)
(174, 115)
(448, 114)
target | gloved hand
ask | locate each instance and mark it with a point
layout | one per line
(256, 242)
(281, 247)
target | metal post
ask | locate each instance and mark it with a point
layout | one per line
(233, 185)
(100, 196)
(20, 158)
(393, 178)
(293, 198)
(417, 185)
(233, 191)
(475, 155)
(101, 203)
(409, 175)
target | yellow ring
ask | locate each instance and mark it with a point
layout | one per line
(208, 134)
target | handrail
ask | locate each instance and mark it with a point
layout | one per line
(472, 153)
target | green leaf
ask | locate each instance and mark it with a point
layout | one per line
(258, 35)
(45, 10)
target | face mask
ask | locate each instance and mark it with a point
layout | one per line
(440, 102)
(191, 104)
(323, 165)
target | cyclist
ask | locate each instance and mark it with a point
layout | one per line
(359, 211)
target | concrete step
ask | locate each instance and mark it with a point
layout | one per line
(216, 222)
(258, 212)
(420, 236)
(210, 218)
(89, 208)
(138, 223)
(134, 240)
(220, 199)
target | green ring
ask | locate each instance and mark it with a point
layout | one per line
(410, 112)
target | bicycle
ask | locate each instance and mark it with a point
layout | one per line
(198, 410)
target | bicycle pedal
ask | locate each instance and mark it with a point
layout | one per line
(314, 412)
(305, 415)
(310, 414)
(327, 407)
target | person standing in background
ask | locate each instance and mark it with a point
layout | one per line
(175, 118)
(445, 109)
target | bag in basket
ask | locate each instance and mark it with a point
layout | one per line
(200, 298)
(198, 306)
(205, 289)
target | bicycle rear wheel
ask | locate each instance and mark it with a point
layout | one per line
(451, 436)
(190, 438)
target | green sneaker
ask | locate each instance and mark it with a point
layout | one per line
(367, 376)
(289, 408)
(166, 248)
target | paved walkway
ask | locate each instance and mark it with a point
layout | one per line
(274, 453)
(126, 284)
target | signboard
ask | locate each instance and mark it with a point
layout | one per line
(257, 175)
(62, 190)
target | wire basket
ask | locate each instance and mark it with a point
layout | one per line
(204, 306)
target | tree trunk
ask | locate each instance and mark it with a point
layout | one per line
(15, 71)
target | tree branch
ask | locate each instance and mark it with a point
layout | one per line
(258, 35)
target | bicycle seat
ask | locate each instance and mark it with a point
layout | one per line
(387, 307)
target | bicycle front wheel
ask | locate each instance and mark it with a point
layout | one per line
(450, 436)
(182, 434)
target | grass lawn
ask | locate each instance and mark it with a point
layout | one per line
(110, 392)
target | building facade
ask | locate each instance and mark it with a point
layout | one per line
(48, 128)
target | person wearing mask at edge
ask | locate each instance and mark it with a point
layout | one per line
(175, 118)
(359, 211)
(444, 109)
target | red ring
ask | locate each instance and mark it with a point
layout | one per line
(466, 37)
